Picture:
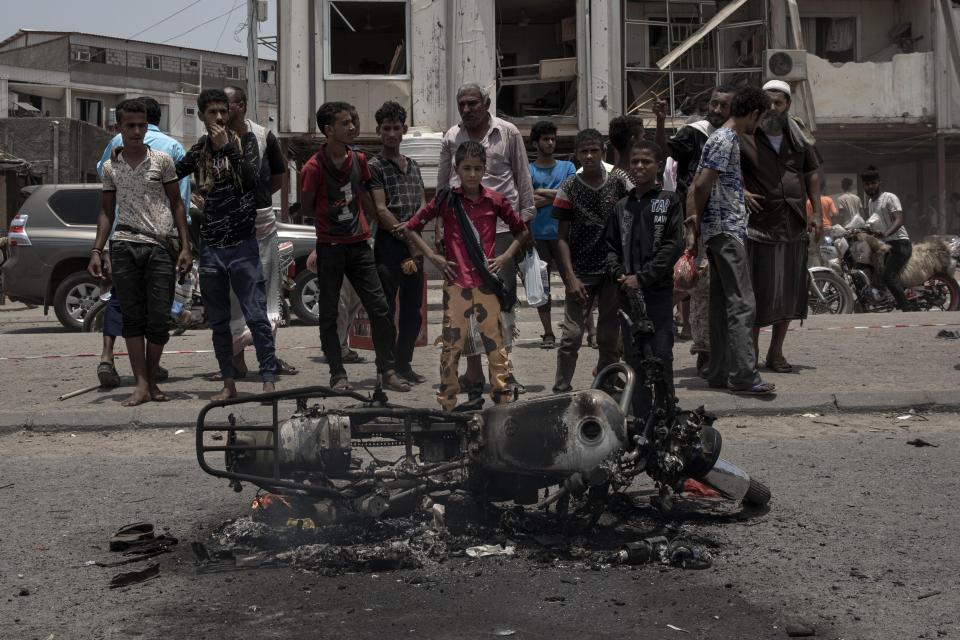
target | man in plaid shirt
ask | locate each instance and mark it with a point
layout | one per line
(397, 190)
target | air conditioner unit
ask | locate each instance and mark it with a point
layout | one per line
(82, 55)
(785, 64)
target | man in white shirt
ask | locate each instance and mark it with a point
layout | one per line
(886, 220)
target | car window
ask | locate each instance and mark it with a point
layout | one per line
(76, 206)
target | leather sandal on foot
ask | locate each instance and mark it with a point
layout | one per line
(392, 381)
(548, 341)
(108, 376)
(285, 369)
(352, 357)
(340, 383)
(758, 389)
(413, 377)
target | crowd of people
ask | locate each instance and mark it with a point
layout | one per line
(739, 191)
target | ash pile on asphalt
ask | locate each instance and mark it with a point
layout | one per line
(469, 529)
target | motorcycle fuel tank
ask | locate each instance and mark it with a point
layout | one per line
(555, 435)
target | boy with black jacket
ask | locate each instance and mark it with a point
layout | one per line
(644, 241)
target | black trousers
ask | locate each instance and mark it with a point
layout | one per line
(144, 277)
(403, 291)
(900, 252)
(355, 261)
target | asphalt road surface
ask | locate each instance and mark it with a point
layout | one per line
(859, 540)
(858, 532)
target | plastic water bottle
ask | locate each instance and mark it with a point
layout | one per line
(182, 295)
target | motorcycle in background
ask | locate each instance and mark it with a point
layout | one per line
(857, 257)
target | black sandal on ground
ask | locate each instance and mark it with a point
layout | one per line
(108, 376)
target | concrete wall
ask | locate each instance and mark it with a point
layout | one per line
(52, 55)
(901, 90)
(32, 139)
(368, 96)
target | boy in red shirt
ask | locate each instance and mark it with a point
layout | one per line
(473, 294)
(335, 187)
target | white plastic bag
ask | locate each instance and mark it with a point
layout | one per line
(532, 270)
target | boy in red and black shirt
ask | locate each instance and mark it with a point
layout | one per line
(334, 186)
(472, 292)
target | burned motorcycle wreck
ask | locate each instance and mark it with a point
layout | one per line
(584, 443)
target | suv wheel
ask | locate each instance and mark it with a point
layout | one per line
(303, 298)
(75, 295)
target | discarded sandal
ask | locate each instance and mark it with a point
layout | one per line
(108, 376)
(131, 534)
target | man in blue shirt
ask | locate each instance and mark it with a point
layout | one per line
(547, 174)
(112, 320)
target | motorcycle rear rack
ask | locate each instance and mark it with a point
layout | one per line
(373, 417)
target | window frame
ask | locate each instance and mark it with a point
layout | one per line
(148, 62)
(671, 72)
(226, 72)
(328, 74)
(858, 32)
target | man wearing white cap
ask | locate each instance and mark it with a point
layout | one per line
(780, 174)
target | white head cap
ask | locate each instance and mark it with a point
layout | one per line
(778, 85)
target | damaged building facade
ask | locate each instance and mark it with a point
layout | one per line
(880, 72)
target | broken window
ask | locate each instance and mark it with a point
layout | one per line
(367, 37)
(833, 39)
(537, 61)
(731, 53)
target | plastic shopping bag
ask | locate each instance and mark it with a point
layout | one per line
(685, 273)
(532, 271)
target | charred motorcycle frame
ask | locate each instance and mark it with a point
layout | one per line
(586, 442)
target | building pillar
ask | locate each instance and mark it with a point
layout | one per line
(68, 103)
(472, 43)
(942, 183)
(4, 98)
(778, 24)
(299, 64)
(429, 23)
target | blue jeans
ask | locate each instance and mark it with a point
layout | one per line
(238, 268)
(660, 311)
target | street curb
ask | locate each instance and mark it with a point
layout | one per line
(715, 402)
